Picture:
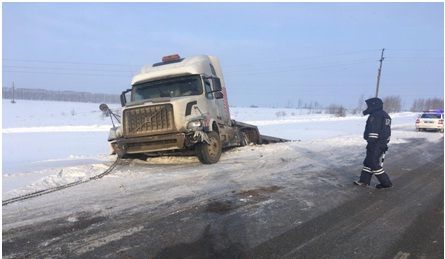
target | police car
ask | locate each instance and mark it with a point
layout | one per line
(430, 120)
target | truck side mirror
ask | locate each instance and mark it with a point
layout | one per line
(216, 82)
(219, 95)
(124, 97)
(104, 108)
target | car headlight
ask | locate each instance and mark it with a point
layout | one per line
(194, 125)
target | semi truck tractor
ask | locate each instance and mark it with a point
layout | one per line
(180, 104)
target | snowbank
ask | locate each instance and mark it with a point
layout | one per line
(46, 144)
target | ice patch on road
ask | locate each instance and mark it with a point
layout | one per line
(72, 219)
(95, 241)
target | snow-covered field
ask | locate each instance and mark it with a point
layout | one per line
(46, 144)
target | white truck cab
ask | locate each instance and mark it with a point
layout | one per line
(179, 104)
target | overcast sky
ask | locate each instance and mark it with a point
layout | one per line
(273, 54)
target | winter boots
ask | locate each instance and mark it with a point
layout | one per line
(365, 180)
(384, 181)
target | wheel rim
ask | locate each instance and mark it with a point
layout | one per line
(213, 148)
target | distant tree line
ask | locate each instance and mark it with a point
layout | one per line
(423, 104)
(392, 104)
(337, 110)
(66, 96)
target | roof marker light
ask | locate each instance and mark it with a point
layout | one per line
(171, 58)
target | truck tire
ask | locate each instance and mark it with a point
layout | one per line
(209, 153)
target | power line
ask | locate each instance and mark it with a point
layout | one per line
(73, 71)
(416, 58)
(280, 59)
(415, 50)
(69, 69)
(65, 62)
(73, 74)
(263, 70)
(271, 71)
(247, 71)
(266, 72)
(274, 60)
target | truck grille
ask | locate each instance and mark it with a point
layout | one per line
(148, 120)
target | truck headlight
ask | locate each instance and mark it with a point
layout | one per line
(194, 125)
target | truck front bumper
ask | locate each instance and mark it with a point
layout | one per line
(149, 144)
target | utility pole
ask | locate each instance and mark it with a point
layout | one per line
(378, 74)
(13, 93)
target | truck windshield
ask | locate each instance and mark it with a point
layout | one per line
(173, 87)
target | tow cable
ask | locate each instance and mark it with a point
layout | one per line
(61, 187)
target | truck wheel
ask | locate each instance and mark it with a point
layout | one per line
(209, 153)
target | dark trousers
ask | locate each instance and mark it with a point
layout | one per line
(374, 152)
(373, 164)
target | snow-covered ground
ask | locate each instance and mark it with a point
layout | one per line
(46, 144)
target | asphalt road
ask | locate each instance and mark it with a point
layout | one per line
(347, 221)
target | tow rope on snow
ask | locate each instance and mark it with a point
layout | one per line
(61, 187)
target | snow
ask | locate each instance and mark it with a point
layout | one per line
(89, 128)
(26, 113)
(48, 144)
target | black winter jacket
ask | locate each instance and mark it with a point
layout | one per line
(378, 125)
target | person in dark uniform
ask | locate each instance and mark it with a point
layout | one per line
(377, 134)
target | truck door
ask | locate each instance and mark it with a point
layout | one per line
(218, 98)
